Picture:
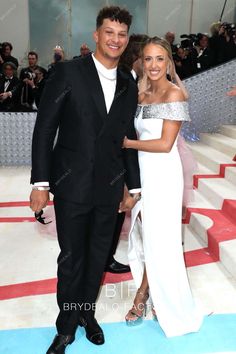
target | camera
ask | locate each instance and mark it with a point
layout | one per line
(229, 28)
(29, 75)
(189, 40)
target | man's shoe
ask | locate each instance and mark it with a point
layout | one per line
(117, 268)
(94, 333)
(60, 343)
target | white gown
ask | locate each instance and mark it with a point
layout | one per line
(157, 240)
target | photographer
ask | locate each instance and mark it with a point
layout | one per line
(5, 55)
(9, 88)
(226, 45)
(185, 65)
(27, 78)
(203, 54)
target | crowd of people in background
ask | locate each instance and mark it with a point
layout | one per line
(21, 90)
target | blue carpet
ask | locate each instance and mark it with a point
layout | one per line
(218, 334)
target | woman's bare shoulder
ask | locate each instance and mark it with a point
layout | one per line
(175, 94)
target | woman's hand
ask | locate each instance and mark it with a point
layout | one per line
(126, 143)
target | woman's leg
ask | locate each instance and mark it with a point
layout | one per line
(138, 309)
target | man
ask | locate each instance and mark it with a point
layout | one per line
(6, 55)
(93, 105)
(27, 77)
(9, 89)
(170, 37)
(84, 51)
(39, 85)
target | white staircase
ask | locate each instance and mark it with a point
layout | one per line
(212, 151)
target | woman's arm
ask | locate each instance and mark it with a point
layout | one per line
(170, 131)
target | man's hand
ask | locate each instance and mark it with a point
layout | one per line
(38, 200)
(127, 204)
(4, 95)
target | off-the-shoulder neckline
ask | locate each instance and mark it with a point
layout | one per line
(159, 103)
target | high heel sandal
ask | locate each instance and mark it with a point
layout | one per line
(136, 314)
(154, 315)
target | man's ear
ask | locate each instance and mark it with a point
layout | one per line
(95, 36)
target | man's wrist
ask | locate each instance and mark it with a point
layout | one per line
(136, 196)
(40, 188)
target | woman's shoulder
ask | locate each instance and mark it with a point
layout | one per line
(175, 94)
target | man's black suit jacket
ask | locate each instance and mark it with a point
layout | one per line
(87, 163)
(10, 104)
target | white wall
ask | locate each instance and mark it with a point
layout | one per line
(174, 15)
(14, 26)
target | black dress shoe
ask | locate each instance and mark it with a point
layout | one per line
(93, 331)
(60, 343)
(117, 268)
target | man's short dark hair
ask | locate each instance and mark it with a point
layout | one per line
(33, 53)
(7, 44)
(132, 51)
(114, 13)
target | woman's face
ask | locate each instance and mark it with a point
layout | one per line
(155, 61)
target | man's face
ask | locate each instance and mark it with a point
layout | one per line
(8, 71)
(7, 51)
(84, 51)
(32, 59)
(204, 42)
(170, 37)
(111, 39)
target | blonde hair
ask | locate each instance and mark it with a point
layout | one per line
(144, 83)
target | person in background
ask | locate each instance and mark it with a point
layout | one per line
(184, 63)
(40, 81)
(58, 56)
(84, 51)
(170, 38)
(203, 53)
(130, 63)
(227, 44)
(214, 41)
(6, 55)
(9, 88)
(28, 78)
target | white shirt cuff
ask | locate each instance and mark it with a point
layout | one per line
(134, 191)
(41, 184)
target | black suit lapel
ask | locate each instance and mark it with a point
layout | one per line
(121, 87)
(92, 78)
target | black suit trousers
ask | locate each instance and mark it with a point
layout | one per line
(85, 234)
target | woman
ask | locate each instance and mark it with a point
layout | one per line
(155, 251)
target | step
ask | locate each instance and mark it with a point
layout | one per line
(199, 224)
(203, 170)
(220, 142)
(230, 174)
(209, 157)
(228, 255)
(199, 201)
(228, 130)
(216, 190)
(229, 210)
(191, 240)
